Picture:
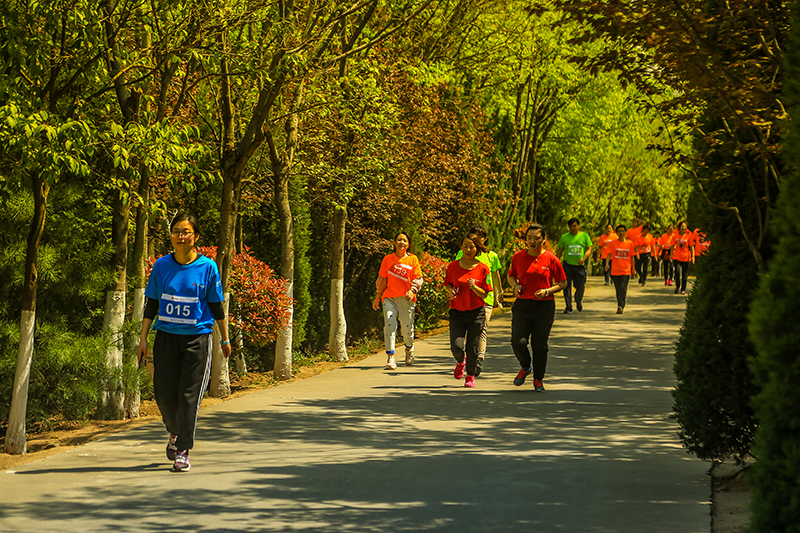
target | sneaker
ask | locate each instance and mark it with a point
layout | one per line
(683, 292)
(579, 306)
(409, 356)
(390, 363)
(567, 311)
(469, 382)
(619, 310)
(182, 462)
(171, 448)
(520, 379)
(458, 373)
(538, 386)
(677, 290)
(480, 366)
(644, 284)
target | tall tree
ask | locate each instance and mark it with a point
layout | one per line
(41, 91)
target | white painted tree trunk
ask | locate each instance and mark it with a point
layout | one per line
(239, 362)
(133, 399)
(220, 376)
(338, 333)
(283, 346)
(113, 400)
(16, 440)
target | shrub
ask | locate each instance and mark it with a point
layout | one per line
(67, 374)
(432, 302)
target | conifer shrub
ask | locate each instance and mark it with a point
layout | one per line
(775, 330)
(67, 374)
(712, 398)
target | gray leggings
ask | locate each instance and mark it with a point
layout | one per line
(394, 309)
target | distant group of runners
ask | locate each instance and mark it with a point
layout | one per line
(473, 286)
(641, 249)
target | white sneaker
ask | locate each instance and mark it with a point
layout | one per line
(390, 364)
(409, 356)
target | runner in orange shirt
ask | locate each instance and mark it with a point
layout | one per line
(655, 256)
(666, 241)
(682, 255)
(621, 253)
(602, 243)
(701, 242)
(632, 234)
(644, 248)
(399, 280)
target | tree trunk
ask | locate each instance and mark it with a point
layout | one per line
(338, 333)
(16, 440)
(283, 345)
(112, 403)
(220, 373)
(133, 398)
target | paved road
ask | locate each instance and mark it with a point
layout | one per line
(364, 449)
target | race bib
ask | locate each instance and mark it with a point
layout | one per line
(179, 309)
(622, 253)
(575, 249)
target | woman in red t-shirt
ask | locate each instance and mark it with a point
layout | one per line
(467, 282)
(536, 275)
(682, 255)
(399, 280)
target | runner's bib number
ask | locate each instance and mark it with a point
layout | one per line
(179, 309)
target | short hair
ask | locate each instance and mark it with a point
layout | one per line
(620, 226)
(538, 227)
(410, 244)
(180, 216)
(477, 241)
(573, 219)
(480, 230)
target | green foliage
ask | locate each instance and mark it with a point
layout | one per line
(775, 478)
(66, 375)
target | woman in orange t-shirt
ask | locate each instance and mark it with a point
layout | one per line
(666, 242)
(399, 280)
(644, 248)
(602, 243)
(620, 263)
(682, 255)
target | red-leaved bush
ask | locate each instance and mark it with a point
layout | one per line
(432, 303)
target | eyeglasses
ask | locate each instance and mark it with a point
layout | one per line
(182, 234)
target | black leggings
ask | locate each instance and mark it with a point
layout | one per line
(681, 274)
(465, 335)
(531, 322)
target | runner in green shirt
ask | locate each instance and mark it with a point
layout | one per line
(574, 249)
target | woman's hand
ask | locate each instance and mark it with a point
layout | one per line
(410, 295)
(542, 293)
(141, 352)
(518, 290)
(226, 350)
(376, 304)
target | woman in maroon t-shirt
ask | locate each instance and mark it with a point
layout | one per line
(536, 275)
(467, 282)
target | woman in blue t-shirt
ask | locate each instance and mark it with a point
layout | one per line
(185, 291)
